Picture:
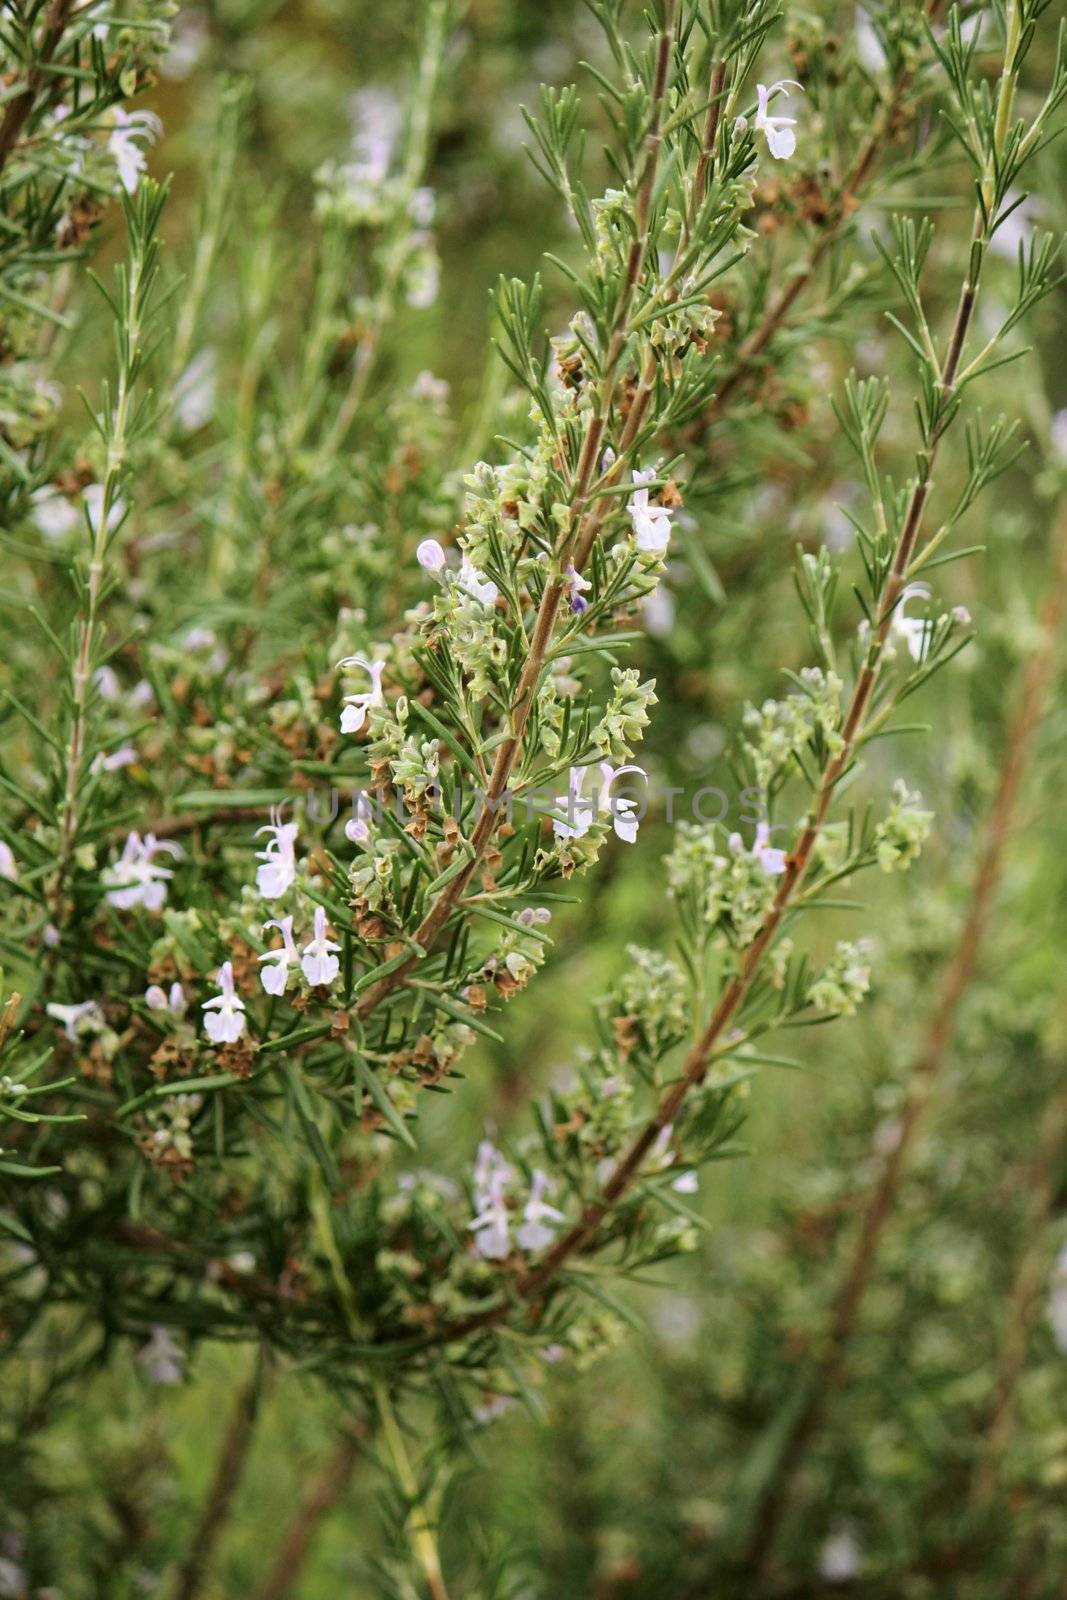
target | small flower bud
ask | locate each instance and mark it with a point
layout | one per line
(431, 556)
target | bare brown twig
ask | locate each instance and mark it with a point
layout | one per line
(18, 110)
(876, 1213)
(224, 1485)
(323, 1494)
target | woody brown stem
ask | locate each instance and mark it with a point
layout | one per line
(224, 1485)
(1022, 1300)
(323, 1494)
(848, 1301)
(18, 110)
(510, 749)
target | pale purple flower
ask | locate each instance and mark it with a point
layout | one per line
(914, 632)
(277, 964)
(488, 1164)
(476, 583)
(356, 706)
(135, 879)
(431, 556)
(660, 1153)
(71, 1016)
(778, 131)
(651, 524)
(686, 1183)
(224, 1022)
(108, 684)
(869, 51)
(163, 1360)
(490, 1409)
(318, 962)
(194, 393)
(539, 1219)
(582, 812)
(1058, 434)
(422, 206)
(490, 1226)
(1057, 1301)
(840, 1557)
(8, 869)
(534, 916)
(358, 826)
(576, 587)
(157, 998)
(128, 155)
(658, 607)
(53, 513)
(278, 871)
(772, 860)
(377, 117)
(623, 812)
(124, 756)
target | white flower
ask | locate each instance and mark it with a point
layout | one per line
(686, 1183)
(129, 157)
(194, 392)
(781, 140)
(156, 999)
(658, 607)
(622, 812)
(1057, 1299)
(490, 1226)
(317, 963)
(135, 879)
(162, 1359)
(488, 1164)
(53, 513)
(536, 1232)
(225, 1021)
(495, 1406)
(651, 524)
(421, 206)
(430, 555)
(8, 869)
(356, 706)
(71, 1016)
(377, 117)
(772, 861)
(278, 871)
(1058, 434)
(582, 813)
(914, 632)
(275, 974)
(94, 507)
(476, 583)
(124, 756)
(869, 51)
(108, 684)
(188, 40)
(840, 1557)
(14, 1580)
